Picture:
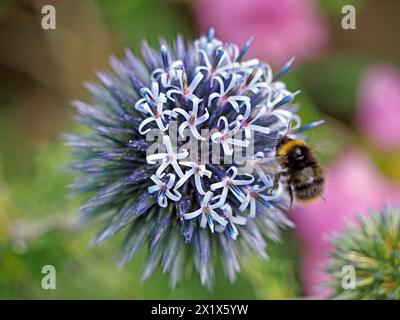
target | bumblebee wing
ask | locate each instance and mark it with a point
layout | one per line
(272, 165)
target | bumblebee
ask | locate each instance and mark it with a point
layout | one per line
(303, 171)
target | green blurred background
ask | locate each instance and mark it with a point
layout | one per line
(41, 71)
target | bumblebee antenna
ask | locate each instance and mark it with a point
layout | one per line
(277, 138)
(280, 137)
(288, 128)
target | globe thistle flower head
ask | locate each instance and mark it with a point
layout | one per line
(372, 248)
(180, 153)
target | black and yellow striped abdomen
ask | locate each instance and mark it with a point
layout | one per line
(305, 174)
(308, 184)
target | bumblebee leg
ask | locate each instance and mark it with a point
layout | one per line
(290, 191)
(275, 184)
(277, 177)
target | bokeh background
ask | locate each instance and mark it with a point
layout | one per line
(350, 78)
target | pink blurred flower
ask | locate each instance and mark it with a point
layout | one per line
(354, 186)
(379, 105)
(282, 29)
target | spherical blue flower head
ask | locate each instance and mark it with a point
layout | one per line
(186, 206)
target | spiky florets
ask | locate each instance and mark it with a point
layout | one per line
(167, 196)
(372, 248)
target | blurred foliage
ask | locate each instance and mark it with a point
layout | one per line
(387, 162)
(13, 159)
(335, 7)
(134, 20)
(278, 278)
(4, 5)
(333, 83)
